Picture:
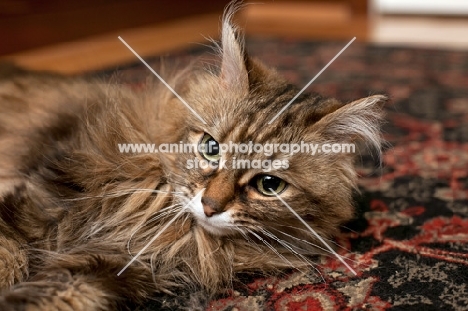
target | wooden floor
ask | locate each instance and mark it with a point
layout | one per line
(326, 22)
(104, 51)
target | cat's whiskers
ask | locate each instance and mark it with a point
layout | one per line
(284, 243)
(136, 219)
(326, 251)
(310, 243)
(160, 231)
(349, 229)
(246, 237)
(314, 232)
(172, 209)
(181, 210)
(132, 191)
(123, 193)
(164, 211)
(270, 247)
(301, 257)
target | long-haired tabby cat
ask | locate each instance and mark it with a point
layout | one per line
(74, 210)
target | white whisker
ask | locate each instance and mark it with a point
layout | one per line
(246, 237)
(298, 255)
(271, 248)
(161, 231)
(315, 245)
(314, 233)
(122, 193)
(166, 209)
(304, 241)
(158, 216)
(304, 230)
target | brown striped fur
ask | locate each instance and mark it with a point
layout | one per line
(73, 210)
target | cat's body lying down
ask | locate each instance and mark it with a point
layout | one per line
(74, 210)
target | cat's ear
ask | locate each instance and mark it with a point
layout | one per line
(358, 120)
(234, 72)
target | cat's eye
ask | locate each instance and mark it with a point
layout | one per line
(263, 184)
(209, 148)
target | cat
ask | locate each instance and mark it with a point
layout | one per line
(74, 210)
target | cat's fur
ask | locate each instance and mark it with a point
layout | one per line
(74, 210)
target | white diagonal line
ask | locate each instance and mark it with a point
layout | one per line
(160, 232)
(162, 80)
(310, 82)
(315, 233)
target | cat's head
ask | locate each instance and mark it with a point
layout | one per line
(241, 103)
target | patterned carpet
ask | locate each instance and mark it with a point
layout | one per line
(409, 244)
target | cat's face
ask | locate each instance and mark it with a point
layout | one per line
(240, 188)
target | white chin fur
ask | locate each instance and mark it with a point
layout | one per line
(219, 224)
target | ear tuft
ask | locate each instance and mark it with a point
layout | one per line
(233, 68)
(358, 120)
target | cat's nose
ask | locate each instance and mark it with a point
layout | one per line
(210, 207)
